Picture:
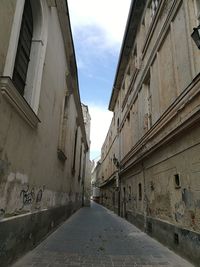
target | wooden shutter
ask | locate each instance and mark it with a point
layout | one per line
(23, 49)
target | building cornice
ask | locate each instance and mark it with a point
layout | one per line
(135, 15)
(182, 114)
(109, 180)
(64, 19)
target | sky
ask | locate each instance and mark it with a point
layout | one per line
(98, 28)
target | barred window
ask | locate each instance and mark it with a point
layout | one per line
(23, 49)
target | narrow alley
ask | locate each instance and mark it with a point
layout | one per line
(95, 237)
(99, 100)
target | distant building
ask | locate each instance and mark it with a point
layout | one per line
(88, 163)
(96, 181)
(43, 140)
(150, 162)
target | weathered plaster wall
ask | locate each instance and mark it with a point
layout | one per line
(165, 209)
(179, 157)
(36, 187)
(158, 129)
(29, 162)
(7, 7)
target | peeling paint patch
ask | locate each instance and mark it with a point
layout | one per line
(22, 178)
(11, 177)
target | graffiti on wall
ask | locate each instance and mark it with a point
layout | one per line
(39, 195)
(27, 195)
(30, 195)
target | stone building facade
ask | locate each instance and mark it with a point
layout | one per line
(150, 163)
(43, 141)
(96, 180)
(88, 163)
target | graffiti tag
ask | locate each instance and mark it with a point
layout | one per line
(39, 196)
(27, 195)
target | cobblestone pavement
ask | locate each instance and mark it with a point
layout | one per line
(96, 237)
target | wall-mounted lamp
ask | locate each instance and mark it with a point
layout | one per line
(196, 36)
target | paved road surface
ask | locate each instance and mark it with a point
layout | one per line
(96, 237)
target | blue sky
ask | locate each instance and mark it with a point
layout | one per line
(98, 28)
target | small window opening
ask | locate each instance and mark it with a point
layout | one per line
(129, 193)
(152, 186)
(149, 228)
(23, 49)
(123, 85)
(176, 239)
(140, 191)
(177, 180)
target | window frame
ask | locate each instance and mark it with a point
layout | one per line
(27, 105)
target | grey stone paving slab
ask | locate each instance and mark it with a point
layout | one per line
(96, 237)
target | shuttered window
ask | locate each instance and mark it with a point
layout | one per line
(23, 49)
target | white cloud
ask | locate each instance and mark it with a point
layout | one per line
(100, 122)
(109, 16)
(98, 27)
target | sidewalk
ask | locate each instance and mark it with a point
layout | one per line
(95, 237)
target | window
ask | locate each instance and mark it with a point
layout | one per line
(63, 130)
(123, 85)
(153, 7)
(149, 228)
(118, 122)
(152, 186)
(80, 164)
(176, 238)
(128, 117)
(177, 180)
(24, 49)
(74, 157)
(129, 193)
(147, 104)
(198, 9)
(150, 13)
(140, 191)
(23, 69)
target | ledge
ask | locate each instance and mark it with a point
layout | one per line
(173, 122)
(18, 102)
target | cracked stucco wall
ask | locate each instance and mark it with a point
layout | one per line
(32, 177)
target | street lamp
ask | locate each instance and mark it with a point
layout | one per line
(196, 36)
